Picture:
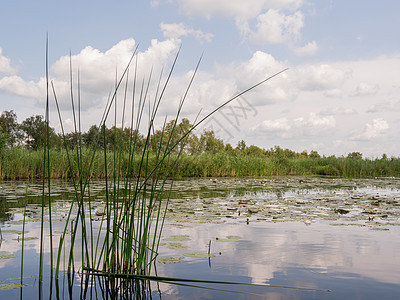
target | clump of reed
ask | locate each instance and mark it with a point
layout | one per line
(137, 184)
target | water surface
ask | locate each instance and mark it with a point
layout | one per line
(306, 237)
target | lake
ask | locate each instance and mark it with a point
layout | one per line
(280, 237)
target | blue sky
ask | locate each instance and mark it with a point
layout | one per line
(340, 93)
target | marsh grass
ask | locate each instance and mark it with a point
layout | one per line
(20, 163)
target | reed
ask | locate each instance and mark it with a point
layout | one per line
(137, 179)
(20, 163)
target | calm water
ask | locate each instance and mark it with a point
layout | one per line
(307, 238)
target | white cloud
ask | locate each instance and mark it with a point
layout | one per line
(364, 89)
(337, 111)
(333, 93)
(389, 106)
(315, 124)
(320, 77)
(17, 86)
(177, 30)
(373, 130)
(235, 8)
(274, 23)
(275, 27)
(97, 72)
(5, 66)
(309, 49)
(277, 125)
(258, 67)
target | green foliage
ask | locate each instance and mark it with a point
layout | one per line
(3, 140)
(355, 155)
(209, 143)
(202, 156)
(326, 170)
(10, 128)
(34, 129)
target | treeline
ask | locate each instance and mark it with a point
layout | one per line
(203, 155)
(30, 134)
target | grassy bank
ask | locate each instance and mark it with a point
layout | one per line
(21, 163)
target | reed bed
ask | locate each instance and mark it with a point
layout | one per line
(21, 163)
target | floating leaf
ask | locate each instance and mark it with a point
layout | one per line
(10, 286)
(27, 238)
(170, 260)
(199, 254)
(176, 246)
(5, 256)
(178, 238)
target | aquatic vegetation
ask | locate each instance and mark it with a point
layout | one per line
(177, 238)
(9, 286)
(6, 256)
(177, 246)
(199, 254)
(170, 260)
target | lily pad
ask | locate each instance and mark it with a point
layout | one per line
(176, 246)
(178, 238)
(6, 256)
(10, 286)
(170, 260)
(199, 254)
(26, 238)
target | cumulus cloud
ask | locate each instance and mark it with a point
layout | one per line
(384, 107)
(315, 124)
(274, 21)
(309, 49)
(177, 30)
(17, 86)
(364, 89)
(320, 77)
(5, 65)
(258, 67)
(275, 27)
(97, 71)
(373, 130)
(235, 8)
(277, 125)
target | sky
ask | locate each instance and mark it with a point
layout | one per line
(339, 94)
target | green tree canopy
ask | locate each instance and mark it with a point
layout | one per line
(11, 128)
(34, 128)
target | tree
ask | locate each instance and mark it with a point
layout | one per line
(89, 137)
(177, 136)
(229, 149)
(34, 128)
(11, 128)
(241, 145)
(209, 143)
(254, 151)
(354, 155)
(314, 154)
